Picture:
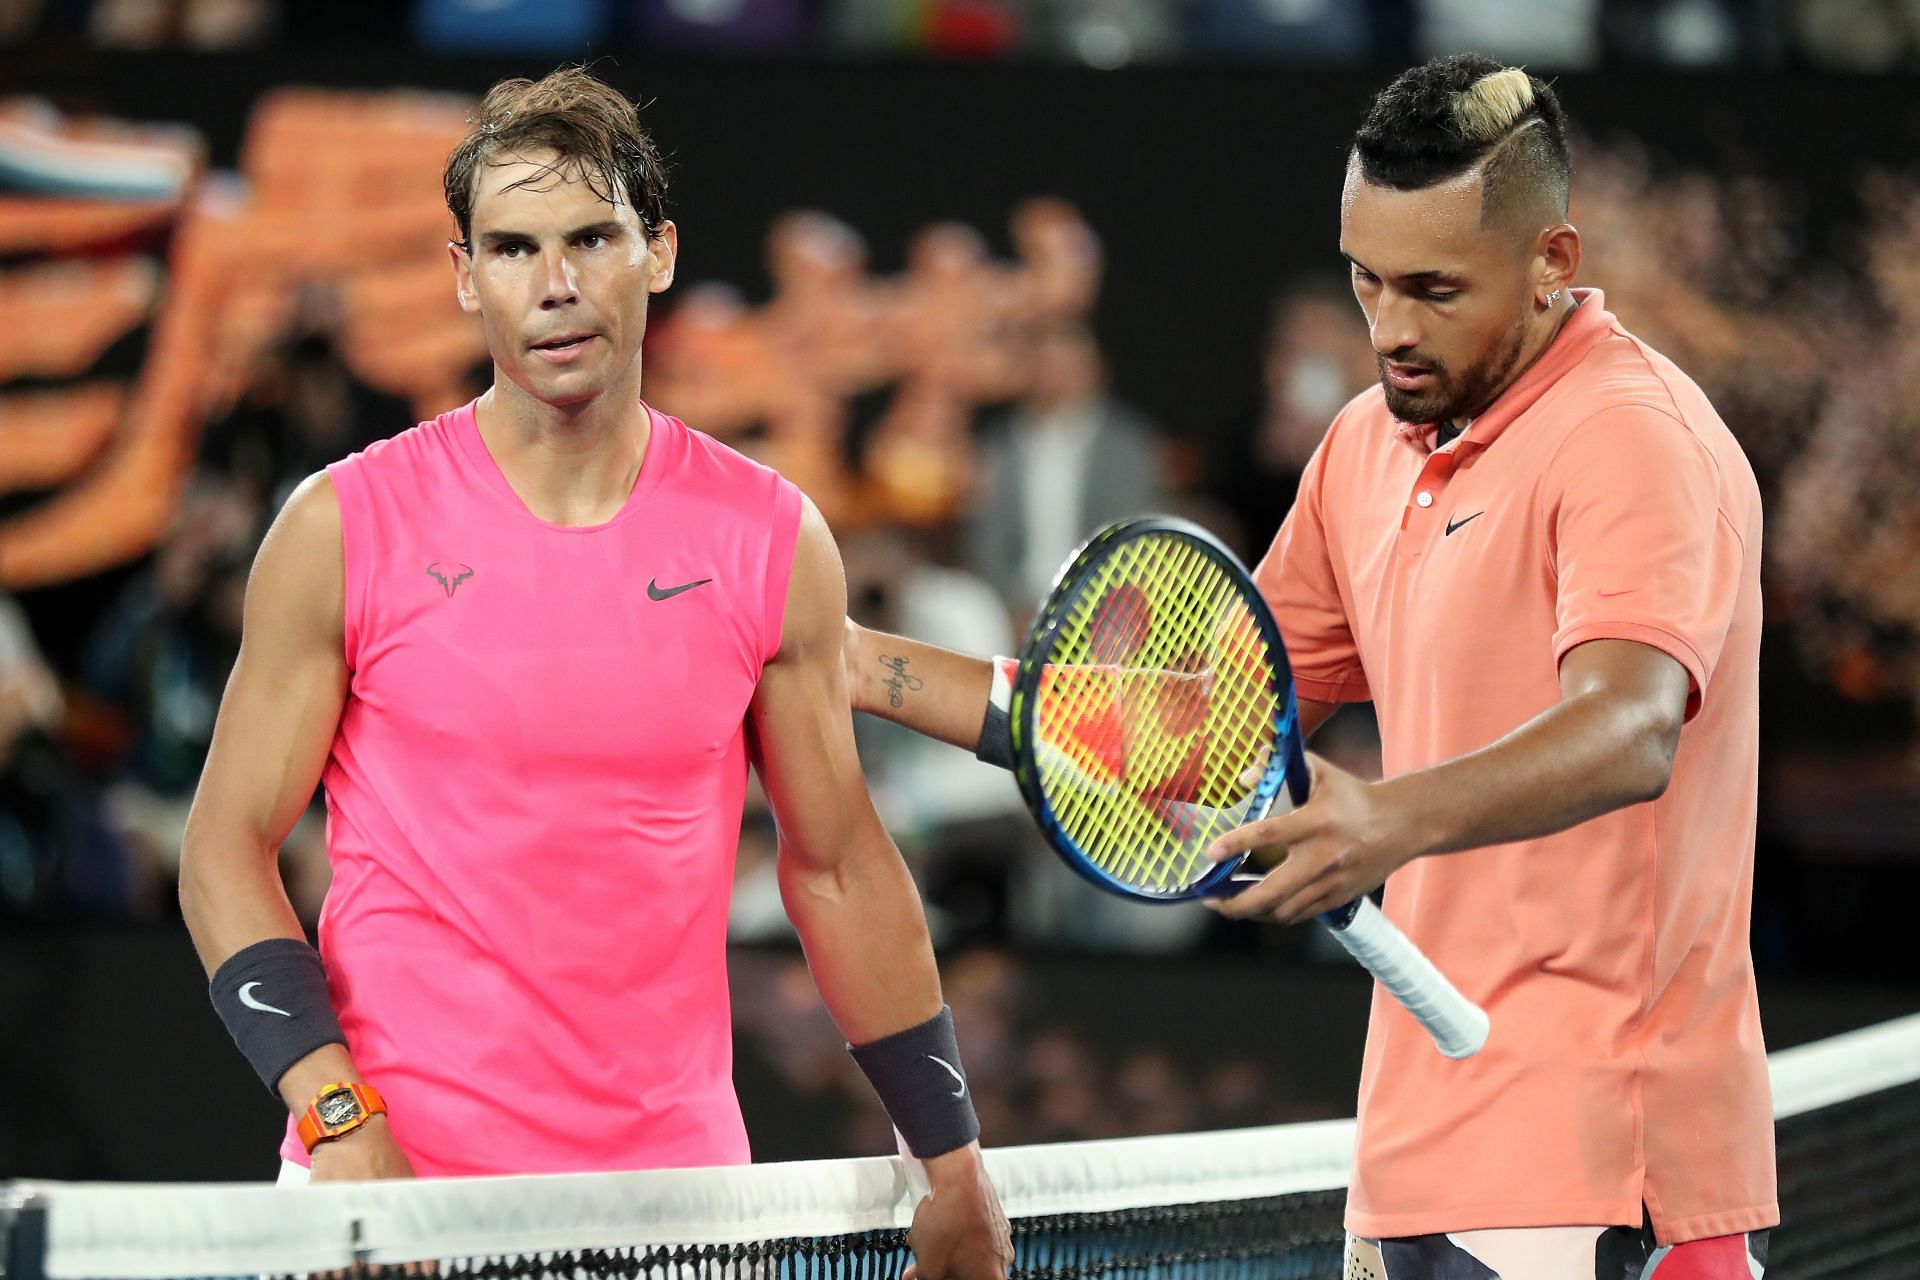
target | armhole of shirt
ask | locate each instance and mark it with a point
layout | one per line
(347, 491)
(784, 538)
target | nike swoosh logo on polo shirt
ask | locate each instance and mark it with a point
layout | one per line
(657, 592)
(1455, 524)
(246, 998)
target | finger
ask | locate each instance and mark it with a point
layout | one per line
(1278, 886)
(1276, 832)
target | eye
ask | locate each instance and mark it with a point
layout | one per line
(513, 249)
(1439, 295)
(1363, 276)
(592, 240)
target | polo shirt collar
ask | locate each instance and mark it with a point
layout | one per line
(1580, 334)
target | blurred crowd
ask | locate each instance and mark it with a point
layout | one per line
(1849, 35)
(960, 425)
(1038, 1073)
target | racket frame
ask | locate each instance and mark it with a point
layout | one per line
(1287, 764)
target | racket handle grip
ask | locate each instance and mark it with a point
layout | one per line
(1458, 1026)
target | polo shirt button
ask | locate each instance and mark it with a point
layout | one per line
(1424, 498)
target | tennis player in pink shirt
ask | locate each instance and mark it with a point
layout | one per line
(1535, 547)
(530, 648)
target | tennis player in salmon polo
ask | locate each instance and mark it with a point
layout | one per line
(529, 648)
(1535, 547)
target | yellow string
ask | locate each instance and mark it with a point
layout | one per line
(1177, 701)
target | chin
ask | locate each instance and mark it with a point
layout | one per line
(1413, 409)
(564, 391)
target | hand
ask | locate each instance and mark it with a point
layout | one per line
(959, 1231)
(1344, 841)
(367, 1154)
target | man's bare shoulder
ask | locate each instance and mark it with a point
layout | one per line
(816, 606)
(299, 575)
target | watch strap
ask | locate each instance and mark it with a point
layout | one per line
(314, 1130)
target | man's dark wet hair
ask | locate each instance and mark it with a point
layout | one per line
(1447, 116)
(590, 127)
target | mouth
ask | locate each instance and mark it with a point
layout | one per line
(562, 348)
(1406, 377)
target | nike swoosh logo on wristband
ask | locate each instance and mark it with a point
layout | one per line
(246, 998)
(961, 1092)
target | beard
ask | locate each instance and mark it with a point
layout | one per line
(1454, 396)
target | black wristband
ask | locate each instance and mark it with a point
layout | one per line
(917, 1074)
(996, 738)
(273, 998)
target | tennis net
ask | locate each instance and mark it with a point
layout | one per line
(1249, 1204)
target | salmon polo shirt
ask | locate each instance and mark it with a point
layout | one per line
(1601, 497)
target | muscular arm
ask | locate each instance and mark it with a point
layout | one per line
(846, 888)
(277, 721)
(949, 702)
(843, 882)
(1608, 743)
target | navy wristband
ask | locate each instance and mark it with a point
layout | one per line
(273, 998)
(917, 1074)
(996, 738)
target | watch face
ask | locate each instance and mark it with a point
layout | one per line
(337, 1108)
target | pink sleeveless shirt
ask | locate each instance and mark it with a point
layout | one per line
(534, 798)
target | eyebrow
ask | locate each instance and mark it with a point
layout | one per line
(1429, 276)
(608, 227)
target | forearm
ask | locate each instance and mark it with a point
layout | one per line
(933, 691)
(1583, 757)
(860, 923)
(231, 895)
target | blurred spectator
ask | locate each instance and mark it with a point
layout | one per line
(1317, 357)
(1858, 35)
(57, 856)
(1061, 261)
(302, 409)
(960, 822)
(196, 24)
(1332, 31)
(1535, 33)
(160, 657)
(722, 26)
(1694, 33)
(1066, 460)
(553, 27)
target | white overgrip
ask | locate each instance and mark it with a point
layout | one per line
(1458, 1026)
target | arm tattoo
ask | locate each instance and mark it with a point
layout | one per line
(899, 683)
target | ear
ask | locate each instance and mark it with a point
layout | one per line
(1556, 261)
(463, 290)
(664, 249)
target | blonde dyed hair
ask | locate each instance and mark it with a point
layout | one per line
(1488, 109)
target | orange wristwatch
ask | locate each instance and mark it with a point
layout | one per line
(338, 1109)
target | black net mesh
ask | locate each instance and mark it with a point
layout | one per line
(1850, 1189)
(1294, 1237)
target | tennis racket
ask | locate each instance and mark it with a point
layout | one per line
(1152, 711)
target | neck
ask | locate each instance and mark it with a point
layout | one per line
(571, 464)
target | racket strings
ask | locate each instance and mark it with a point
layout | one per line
(1155, 702)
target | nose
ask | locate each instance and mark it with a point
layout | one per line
(559, 288)
(1394, 325)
